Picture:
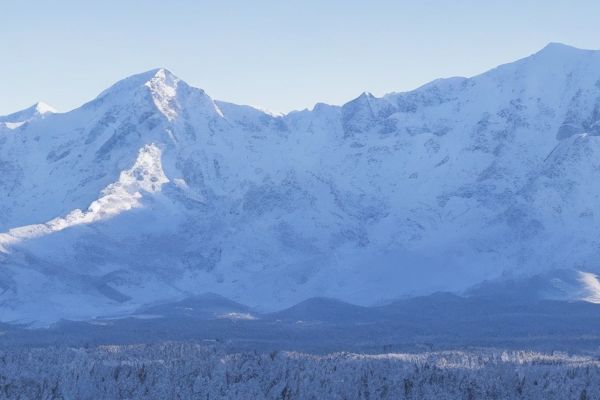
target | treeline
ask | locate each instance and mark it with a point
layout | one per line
(192, 371)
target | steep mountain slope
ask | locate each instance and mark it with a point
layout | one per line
(154, 192)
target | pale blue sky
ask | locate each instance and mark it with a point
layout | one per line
(281, 55)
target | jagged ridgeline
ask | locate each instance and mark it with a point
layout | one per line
(154, 192)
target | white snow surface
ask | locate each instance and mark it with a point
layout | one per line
(460, 181)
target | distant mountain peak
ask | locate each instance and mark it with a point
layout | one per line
(161, 78)
(153, 78)
(559, 45)
(555, 49)
(37, 110)
(162, 88)
(162, 73)
(44, 108)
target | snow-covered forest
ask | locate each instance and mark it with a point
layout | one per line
(194, 371)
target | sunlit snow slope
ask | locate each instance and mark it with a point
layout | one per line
(154, 192)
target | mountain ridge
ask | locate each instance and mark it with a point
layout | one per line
(153, 190)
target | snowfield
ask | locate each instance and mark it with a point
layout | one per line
(153, 192)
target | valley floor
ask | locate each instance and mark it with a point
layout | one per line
(193, 371)
(441, 346)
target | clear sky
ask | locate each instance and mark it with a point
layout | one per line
(281, 55)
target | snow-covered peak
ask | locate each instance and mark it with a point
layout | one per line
(559, 58)
(44, 108)
(553, 58)
(439, 188)
(161, 80)
(162, 89)
(155, 79)
(37, 110)
(562, 49)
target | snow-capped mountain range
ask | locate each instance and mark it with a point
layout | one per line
(154, 192)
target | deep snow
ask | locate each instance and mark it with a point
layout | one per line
(154, 192)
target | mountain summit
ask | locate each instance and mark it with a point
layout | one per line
(36, 111)
(154, 192)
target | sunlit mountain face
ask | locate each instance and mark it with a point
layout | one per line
(154, 192)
